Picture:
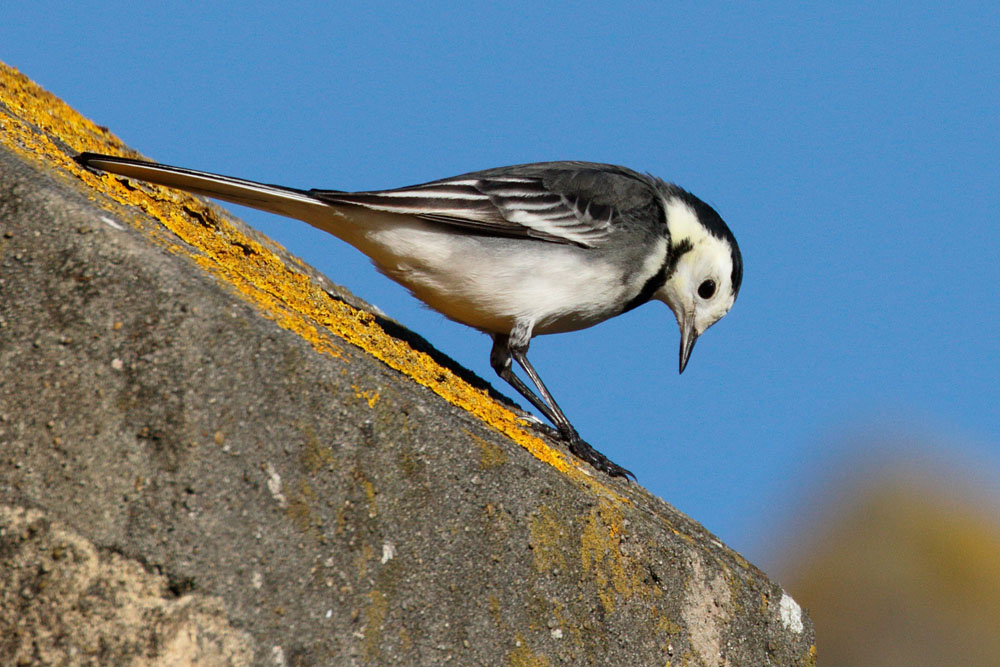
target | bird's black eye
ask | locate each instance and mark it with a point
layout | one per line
(707, 289)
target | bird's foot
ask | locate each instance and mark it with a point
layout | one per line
(585, 452)
(530, 420)
(580, 448)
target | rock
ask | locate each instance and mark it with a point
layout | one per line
(62, 601)
(253, 462)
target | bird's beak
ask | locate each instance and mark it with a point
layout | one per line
(688, 339)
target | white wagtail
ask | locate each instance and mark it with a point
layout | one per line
(518, 251)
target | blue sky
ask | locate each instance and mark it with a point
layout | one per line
(852, 149)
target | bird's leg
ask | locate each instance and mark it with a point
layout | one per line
(516, 346)
(500, 358)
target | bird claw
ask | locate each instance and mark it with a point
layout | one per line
(530, 419)
(583, 451)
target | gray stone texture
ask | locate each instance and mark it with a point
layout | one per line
(184, 479)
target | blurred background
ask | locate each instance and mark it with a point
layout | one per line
(840, 427)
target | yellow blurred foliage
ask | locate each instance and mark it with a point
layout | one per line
(905, 571)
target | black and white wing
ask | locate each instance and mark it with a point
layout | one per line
(563, 202)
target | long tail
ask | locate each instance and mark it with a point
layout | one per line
(272, 198)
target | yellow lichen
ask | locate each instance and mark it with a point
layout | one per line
(547, 539)
(522, 656)
(600, 555)
(299, 508)
(374, 618)
(40, 128)
(315, 455)
(362, 558)
(494, 603)
(369, 395)
(490, 455)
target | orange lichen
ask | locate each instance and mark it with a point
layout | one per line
(600, 556)
(44, 130)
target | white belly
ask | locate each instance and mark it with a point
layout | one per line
(485, 282)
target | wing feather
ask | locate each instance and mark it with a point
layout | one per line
(563, 202)
(508, 205)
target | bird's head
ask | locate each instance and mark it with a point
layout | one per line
(707, 267)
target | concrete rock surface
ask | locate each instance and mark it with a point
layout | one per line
(211, 455)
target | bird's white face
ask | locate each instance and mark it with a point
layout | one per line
(701, 286)
(700, 289)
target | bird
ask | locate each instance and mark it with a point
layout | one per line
(516, 252)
